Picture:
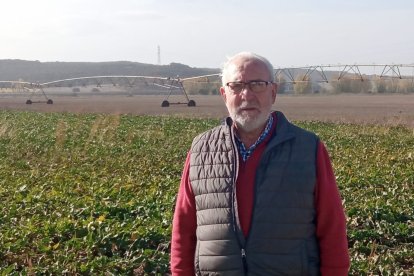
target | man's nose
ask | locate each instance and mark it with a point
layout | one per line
(247, 92)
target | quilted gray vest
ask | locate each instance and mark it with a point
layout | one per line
(282, 237)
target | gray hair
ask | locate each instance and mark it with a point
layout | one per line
(247, 56)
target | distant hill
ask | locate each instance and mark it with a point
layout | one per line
(36, 71)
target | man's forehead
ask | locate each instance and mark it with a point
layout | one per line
(241, 66)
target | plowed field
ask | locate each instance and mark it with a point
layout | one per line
(368, 109)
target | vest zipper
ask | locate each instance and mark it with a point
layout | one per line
(243, 255)
(233, 197)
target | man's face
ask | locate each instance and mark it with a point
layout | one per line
(248, 109)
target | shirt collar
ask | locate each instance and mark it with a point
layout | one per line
(244, 152)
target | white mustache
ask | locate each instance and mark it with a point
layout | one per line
(243, 106)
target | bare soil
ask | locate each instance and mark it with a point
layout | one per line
(361, 109)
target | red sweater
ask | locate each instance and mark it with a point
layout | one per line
(330, 227)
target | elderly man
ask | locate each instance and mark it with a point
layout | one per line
(258, 195)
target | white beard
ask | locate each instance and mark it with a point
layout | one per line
(249, 123)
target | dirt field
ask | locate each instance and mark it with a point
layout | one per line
(368, 109)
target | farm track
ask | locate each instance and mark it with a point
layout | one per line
(360, 109)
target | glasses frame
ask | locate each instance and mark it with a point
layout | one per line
(249, 84)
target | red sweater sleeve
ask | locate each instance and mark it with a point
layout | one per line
(331, 222)
(183, 239)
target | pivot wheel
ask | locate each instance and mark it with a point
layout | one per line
(165, 104)
(191, 103)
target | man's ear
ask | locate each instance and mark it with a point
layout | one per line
(274, 91)
(223, 93)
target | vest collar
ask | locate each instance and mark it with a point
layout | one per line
(282, 133)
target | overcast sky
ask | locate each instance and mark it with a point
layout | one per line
(203, 33)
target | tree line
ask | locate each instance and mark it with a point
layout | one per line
(334, 86)
(370, 85)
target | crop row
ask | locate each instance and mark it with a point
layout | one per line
(95, 194)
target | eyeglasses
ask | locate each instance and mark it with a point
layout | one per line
(254, 86)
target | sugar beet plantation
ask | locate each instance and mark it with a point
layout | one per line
(94, 194)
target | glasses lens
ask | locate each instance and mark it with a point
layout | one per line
(236, 86)
(257, 86)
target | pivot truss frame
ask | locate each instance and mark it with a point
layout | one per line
(317, 73)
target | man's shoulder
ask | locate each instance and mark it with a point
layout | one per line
(210, 132)
(291, 129)
(212, 135)
(303, 131)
